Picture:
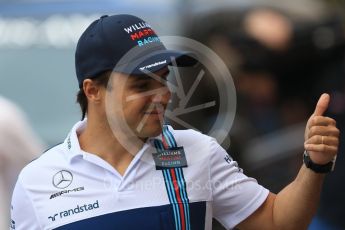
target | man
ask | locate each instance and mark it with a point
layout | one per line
(18, 146)
(122, 169)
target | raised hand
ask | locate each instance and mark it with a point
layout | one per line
(321, 134)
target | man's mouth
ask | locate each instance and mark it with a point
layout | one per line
(153, 112)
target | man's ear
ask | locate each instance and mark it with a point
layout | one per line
(92, 91)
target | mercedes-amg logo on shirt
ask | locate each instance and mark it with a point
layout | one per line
(62, 179)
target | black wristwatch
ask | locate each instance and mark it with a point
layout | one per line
(326, 168)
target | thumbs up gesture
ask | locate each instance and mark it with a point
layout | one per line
(321, 134)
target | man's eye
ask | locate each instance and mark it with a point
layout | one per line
(142, 86)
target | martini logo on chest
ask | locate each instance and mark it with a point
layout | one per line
(170, 158)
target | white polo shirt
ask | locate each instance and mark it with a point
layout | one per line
(68, 188)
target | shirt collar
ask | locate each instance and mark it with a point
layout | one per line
(72, 145)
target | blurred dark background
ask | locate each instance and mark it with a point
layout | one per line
(281, 60)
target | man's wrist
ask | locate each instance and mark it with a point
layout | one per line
(318, 168)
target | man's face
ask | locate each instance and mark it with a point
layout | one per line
(139, 101)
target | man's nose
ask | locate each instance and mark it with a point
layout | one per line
(162, 95)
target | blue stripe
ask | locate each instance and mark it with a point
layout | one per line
(185, 198)
(159, 145)
(156, 144)
(170, 189)
(170, 136)
(180, 179)
(176, 213)
(182, 195)
(166, 137)
(175, 203)
(182, 185)
(170, 193)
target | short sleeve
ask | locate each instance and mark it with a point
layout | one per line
(23, 215)
(235, 196)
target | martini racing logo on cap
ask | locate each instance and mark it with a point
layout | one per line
(137, 27)
(170, 158)
(142, 33)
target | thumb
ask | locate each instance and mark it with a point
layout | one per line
(322, 105)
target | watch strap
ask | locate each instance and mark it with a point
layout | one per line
(318, 168)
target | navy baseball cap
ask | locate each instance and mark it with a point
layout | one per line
(126, 44)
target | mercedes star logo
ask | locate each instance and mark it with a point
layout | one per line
(62, 179)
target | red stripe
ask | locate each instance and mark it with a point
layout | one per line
(179, 200)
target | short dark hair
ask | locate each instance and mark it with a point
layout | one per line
(102, 80)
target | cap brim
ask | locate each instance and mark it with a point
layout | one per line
(156, 61)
